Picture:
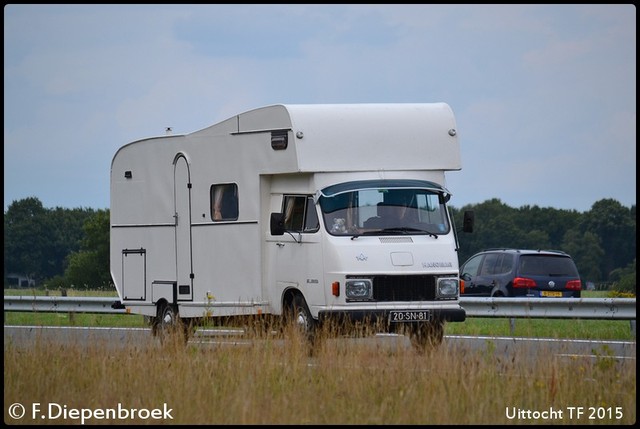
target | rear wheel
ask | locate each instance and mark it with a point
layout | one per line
(168, 324)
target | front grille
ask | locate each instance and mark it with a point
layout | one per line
(404, 288)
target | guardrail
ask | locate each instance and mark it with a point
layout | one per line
(551, 308)
(62, 304)
(546, 308)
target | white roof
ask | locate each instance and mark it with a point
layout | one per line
(356, 137)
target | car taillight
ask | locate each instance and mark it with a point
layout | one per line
(523, 282)
(574, 285)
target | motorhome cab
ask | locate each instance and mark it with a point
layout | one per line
(331, 212)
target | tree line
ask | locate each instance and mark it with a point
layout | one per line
(63, 248)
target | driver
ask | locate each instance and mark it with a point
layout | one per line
(390, 213)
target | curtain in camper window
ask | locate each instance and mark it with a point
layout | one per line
(289, 205)
(224, 202)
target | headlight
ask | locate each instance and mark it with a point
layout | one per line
(358, 290)
(447, 287)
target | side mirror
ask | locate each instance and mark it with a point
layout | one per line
(277, 224)
(467, 223)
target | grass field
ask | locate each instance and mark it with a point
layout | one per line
(265, 383)
(280, 383)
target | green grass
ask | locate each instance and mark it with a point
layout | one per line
(544, 328)
(74, 319)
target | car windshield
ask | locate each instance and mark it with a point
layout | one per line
(547, 265)
(385, 208)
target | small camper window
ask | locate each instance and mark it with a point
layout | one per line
(224, 202)
(300, 213)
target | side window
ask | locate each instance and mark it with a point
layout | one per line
(507, 264)
(491, 264)
(311, 222)
(224, 202)
(471, 267)
(300, 213)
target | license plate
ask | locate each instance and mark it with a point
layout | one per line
(409, 316)
(550, 293)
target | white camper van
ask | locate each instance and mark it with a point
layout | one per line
(318, 212)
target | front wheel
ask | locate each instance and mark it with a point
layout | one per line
(302, 318)
(302, 324)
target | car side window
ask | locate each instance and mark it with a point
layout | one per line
(506, 264)
(491, 264)
(471, 267)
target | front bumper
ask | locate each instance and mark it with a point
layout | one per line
(378, 315)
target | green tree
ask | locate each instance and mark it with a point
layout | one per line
(553, 222)
(585, 250)
(89, 267)
(616, 228)
(494, 227)
(68, 233)
(27, 238)
(37, 240)
(625, 278)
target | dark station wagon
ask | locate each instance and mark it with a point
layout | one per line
(520, 273)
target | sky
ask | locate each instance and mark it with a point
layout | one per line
(544, 96)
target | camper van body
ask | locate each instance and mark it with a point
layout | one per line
(267, 209)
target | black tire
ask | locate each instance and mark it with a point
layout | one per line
(168, 324)
(426, 336)
(302, 321)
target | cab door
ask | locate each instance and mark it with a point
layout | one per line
(297, 254)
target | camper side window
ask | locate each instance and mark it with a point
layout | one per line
(300, 213)
(224, 202)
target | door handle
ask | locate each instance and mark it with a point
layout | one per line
(280, 244)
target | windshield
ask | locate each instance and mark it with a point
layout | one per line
(385, 207)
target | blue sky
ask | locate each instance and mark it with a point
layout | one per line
(544, 95)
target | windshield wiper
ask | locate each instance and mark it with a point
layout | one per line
(408, 229)
(396, 230)
(374, 232)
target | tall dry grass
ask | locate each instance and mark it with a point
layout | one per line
(276, 380)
